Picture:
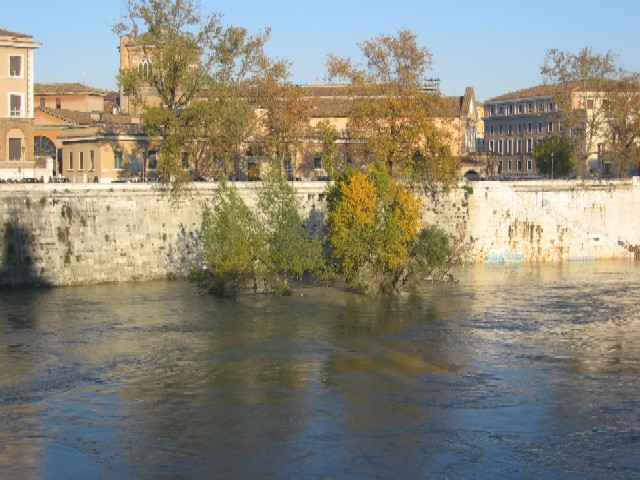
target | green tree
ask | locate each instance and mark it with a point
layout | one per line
(288, 249)
(393, 118)
(268, 248)
(199, 78)
(229, 239)
(375, 234)
(554, 156)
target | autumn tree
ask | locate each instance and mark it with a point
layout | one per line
(283, 114)
(393, 119)
(622, 123)
(554, 156)
(581, 82)
(375, 233)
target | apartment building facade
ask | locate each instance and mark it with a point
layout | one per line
(513, 124)
(17, 159)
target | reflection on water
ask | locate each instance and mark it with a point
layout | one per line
(523, 371)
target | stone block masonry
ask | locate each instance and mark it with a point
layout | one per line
(52, 234)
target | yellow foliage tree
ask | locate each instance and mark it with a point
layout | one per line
(374, 228)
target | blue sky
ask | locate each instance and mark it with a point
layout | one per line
(496, 46)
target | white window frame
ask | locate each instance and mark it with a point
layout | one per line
(12, 113)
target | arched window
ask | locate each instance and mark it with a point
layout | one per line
(145, 68)
(44, 147)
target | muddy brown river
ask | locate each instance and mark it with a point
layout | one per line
(522, 371)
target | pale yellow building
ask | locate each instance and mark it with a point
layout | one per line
(105, 153)
(17, 106)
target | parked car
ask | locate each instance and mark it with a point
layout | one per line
(59, 180)
(30, 180)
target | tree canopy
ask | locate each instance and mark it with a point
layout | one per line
(375, 233)
(393, 119)
(554, 156)
(214, 89)
(597, 105)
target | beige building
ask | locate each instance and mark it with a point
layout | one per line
(64, 106)
(105, 153)
(517, 121)
(70, 96)
(132, 56)
(17, 160)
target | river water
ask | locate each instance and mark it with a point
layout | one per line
(524, 371)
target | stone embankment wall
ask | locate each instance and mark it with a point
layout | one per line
(553, 221)
(76, 234)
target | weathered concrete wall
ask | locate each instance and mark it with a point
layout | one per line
(74, 234)
(553, 221)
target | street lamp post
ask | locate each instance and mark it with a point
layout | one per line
(552, 165)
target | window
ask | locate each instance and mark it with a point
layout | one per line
(70, 160)
(520, 108)
(81, 160)
(510, 163)
(15, 66)
(117, 159)
(590, 103)
(500, 146)
(550, 127)
(551, 106)
(528, 127)
(509, 146)
(15, 149)
(317, 162)
(144, 68)
(152, 162)
(43, 103)
(510, 130)
(491, 112)
(529, 165)
(529, 145)
(510, 109)
(491, 145)
(491, 130)
(530, 107)
(519, 165)
(58, 104)
(519, 128)
(500, 110)
(15, 101)
(539, 127)
(287, 164)
(519, 146)
(92, 160)
(500, 129)
(185, 160)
